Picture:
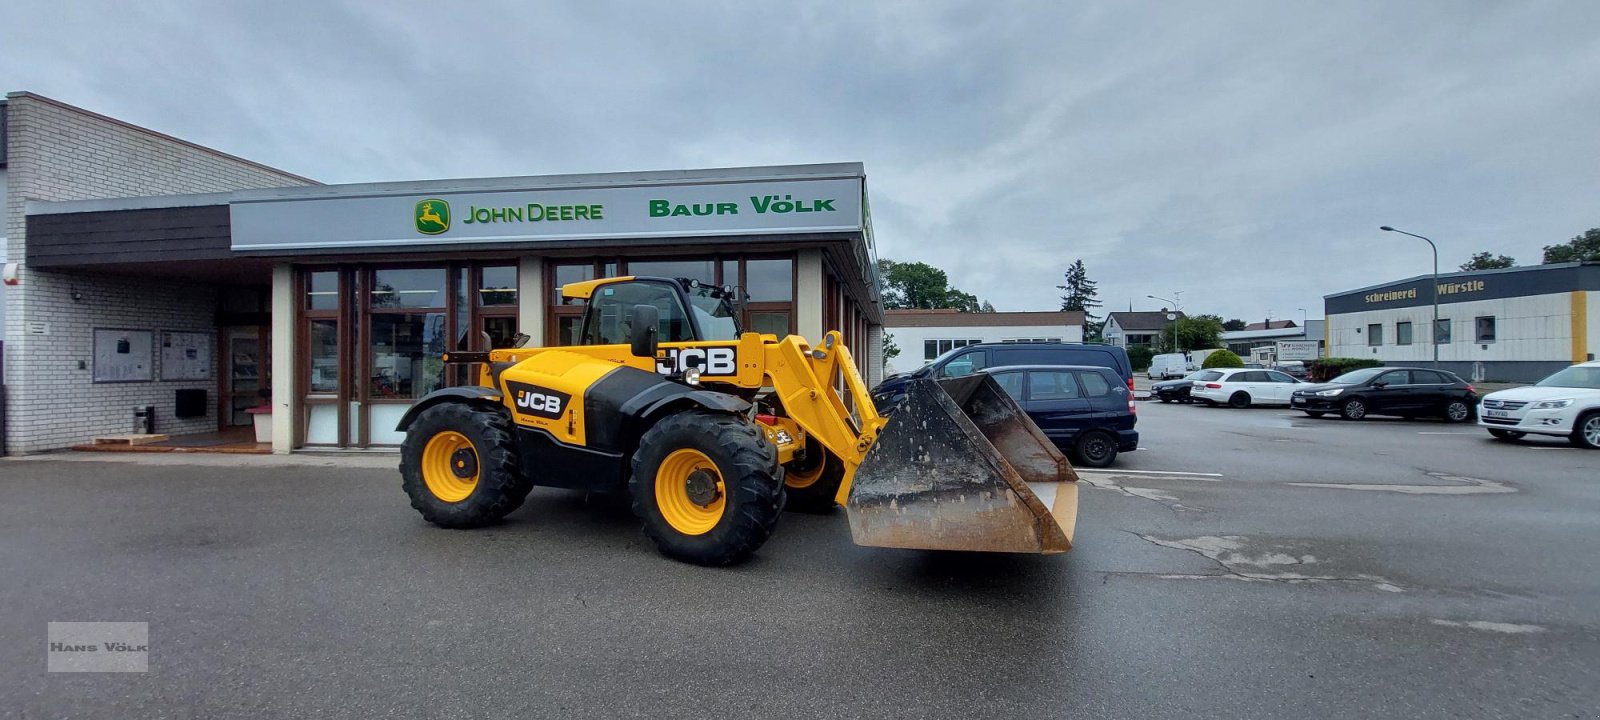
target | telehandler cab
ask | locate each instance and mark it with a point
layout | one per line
(712, 432)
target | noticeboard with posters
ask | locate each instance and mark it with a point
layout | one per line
(122, 355)
(186, 355)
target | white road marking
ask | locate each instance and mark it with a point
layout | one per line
(1473, 486)
(1225, 551)
(1499, 627)
(1149, 472)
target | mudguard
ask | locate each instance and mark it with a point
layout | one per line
(467, 393)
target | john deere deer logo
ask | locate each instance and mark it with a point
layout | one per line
(433, 216)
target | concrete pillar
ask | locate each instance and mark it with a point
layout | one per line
(531, 297)
(285, 393)
(808, 299)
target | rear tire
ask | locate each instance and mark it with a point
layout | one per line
(1586, 432)
(1507, 435)
(1239, 399)
(1095, 448)
(1353, 409)
(706, 487)
(811, 485)
(458, 464)
(1457, 411)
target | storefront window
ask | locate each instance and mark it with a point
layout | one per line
(324, 353)
(769, 280)
(322, 290)
(406, 350)
(499, 286)
(702, 270)
(409, 288)
(565, 274)
(769, 323)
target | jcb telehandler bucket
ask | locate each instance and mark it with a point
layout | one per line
(960, 466)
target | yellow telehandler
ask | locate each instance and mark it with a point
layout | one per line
(712, 432)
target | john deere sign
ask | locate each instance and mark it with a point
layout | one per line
(385, 219)
(433, 216)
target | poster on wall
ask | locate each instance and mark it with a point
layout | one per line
(123, 355)
(186, 355)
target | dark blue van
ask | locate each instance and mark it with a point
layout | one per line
(1086, 411)
(972, 358)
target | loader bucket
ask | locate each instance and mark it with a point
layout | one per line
(961, 467)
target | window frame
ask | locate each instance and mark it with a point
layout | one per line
(1374, 334)
(1477, 329)
(1403, 331)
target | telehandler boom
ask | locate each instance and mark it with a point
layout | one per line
(712, 432)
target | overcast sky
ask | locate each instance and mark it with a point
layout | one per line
(1242, 153)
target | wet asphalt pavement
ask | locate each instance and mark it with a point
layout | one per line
(1445, 575)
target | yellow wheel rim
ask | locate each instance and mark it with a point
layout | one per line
(450, 466)
(799, 479)
(690, 492)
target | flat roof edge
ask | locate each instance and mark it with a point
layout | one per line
(1465, 273)
(818, 171)
(152, 202)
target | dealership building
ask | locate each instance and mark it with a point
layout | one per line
(153, 272)
(1510, 325)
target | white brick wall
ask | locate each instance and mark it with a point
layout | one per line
(62, 153)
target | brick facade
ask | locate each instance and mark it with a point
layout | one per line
(57, 152)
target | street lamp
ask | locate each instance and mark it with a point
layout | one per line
(1176, 308)
(1433, 333)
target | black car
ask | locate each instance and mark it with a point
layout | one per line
(972, 358)
(1086, 411)
(1407, 392)
(1174, 390)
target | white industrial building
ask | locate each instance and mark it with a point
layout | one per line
(1259, 342)
(922, 335)
(1510, 325)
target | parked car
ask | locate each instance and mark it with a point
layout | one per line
(972, 358)
(1407, 392)
(1167, 366)
(1253, 365)
(1087, 411)
(1242, 387)
(1564, 404)
(1176, 390)
(1293, 368)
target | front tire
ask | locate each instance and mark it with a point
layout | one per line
(706, 487)
(458, 464)
(811, 484)
(1095, 448)
(1507, 435)
(1315, 413)
(1586, 432)
(1457, 411)
(1239, 399)
(1353, 409)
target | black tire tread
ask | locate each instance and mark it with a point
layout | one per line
(501, 486)
(755, 495)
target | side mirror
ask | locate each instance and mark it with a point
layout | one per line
(642, 324)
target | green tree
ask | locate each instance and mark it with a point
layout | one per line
(1139, 356)
(1082, 295)
(1582, 247)
(915, 285)
(1488, 261)
(890, 350)
(1192, 332)
(1235, 325)
(1222, 359)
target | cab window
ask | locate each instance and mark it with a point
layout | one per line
(965, 364)
(1396, 377)
(605, 320)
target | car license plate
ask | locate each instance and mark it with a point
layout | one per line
(1497, 413)
(1298, 401)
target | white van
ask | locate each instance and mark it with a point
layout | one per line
(1171, 365)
